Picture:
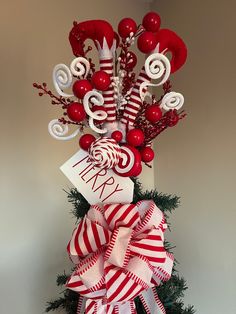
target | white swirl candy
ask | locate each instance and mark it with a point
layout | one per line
(62, 78)
(172, 100)
(105, 153)
(58, 130)
(80, 67)
(157, 66)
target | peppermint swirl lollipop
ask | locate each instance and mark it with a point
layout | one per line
(105, 153)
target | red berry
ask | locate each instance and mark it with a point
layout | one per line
(152, 22)
(153, 113)
(86, 140)
(117, 136)
(135, 137)
(172, 118)
(76, 112)
(147, 154)
(127, 26)
(147, 42)
(101, 80)
(81, 87)
(132, 60)
(100, 108)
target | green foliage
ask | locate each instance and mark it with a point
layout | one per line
(170, 293)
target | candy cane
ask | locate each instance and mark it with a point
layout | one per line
(167, 41)
(101, 32)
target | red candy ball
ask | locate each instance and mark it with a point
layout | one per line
(135, 137)
(127, 26)
(76, 112)
(101, 80)
(153, 113)
(147, 42)
(147, 154)
(81, 87)
(86, 140)
(152, 22)
(117, 136)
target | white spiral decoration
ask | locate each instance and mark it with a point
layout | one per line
(105, 153)
(172, 100)
(94, 98)
(157, 66)
(80, 67)
(58, 130)
(62, 79)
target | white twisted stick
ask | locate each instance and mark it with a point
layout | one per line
(62, 78)
(172, 100)
(94, 98)
(80, 67)
(58, 130)
(157, 66)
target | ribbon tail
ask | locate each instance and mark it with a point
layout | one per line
(125, 308)
(151, 302)
(81, 305)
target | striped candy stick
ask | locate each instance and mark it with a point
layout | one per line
(106, 65)
(135, 101)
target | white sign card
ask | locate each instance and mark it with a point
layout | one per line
(97, 185)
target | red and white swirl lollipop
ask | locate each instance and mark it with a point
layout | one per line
(130, 162)
(105, 153)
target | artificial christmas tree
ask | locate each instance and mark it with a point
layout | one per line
(122, 263)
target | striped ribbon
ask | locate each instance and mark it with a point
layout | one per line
(119, 254)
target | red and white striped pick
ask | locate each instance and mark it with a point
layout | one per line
(119, 254)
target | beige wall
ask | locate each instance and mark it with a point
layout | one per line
(196, 160)
(35, 220)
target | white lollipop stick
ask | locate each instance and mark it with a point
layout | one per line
(80, 67)
(58, 130)
(172, 100)
(62, 78)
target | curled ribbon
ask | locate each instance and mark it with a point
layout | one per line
(119, 254)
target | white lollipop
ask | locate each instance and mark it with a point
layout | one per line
(105, 153)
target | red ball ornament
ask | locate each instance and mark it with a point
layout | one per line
(98, 108)
(147, 154)
(147, 42)
(137, 171)
(76, 112)
(101, 80)
(135, 137)
(86, 140)
(117, 136)
(152, 22)
(153, 113)
(81, 87)
(127, 26)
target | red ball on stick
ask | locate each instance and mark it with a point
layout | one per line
(86, 140)
(127, 26)
(135, 137)
(153, 113)
(81, 87)
(101, 80)
(152, 22)
(147, 154)
(117, 136)
(76, 112)
(147, 42)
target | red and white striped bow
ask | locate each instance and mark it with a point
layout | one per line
(119, 252)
